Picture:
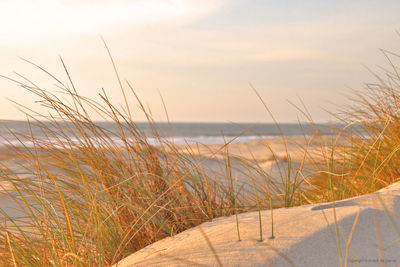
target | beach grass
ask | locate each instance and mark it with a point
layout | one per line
(95, 197)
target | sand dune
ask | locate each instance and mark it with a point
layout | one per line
(304, 236)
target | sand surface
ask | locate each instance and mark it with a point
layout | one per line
(270, 156)
(304, 236)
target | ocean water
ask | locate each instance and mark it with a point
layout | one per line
(178, 133)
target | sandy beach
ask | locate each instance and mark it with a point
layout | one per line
(248, 159)
(211, 158)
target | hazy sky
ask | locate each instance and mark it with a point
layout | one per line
(201, 55)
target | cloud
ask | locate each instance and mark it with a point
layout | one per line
(27, 17)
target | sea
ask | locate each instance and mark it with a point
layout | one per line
(11, 132)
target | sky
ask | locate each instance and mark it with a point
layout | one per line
(201, 56)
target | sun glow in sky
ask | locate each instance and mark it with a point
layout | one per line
(201, 55)
(55, 17)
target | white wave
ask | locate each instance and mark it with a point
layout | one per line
(151, 140)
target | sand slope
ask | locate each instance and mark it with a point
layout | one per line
(303, 237)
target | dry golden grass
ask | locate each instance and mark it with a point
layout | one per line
(95, 198)
(98, 197)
